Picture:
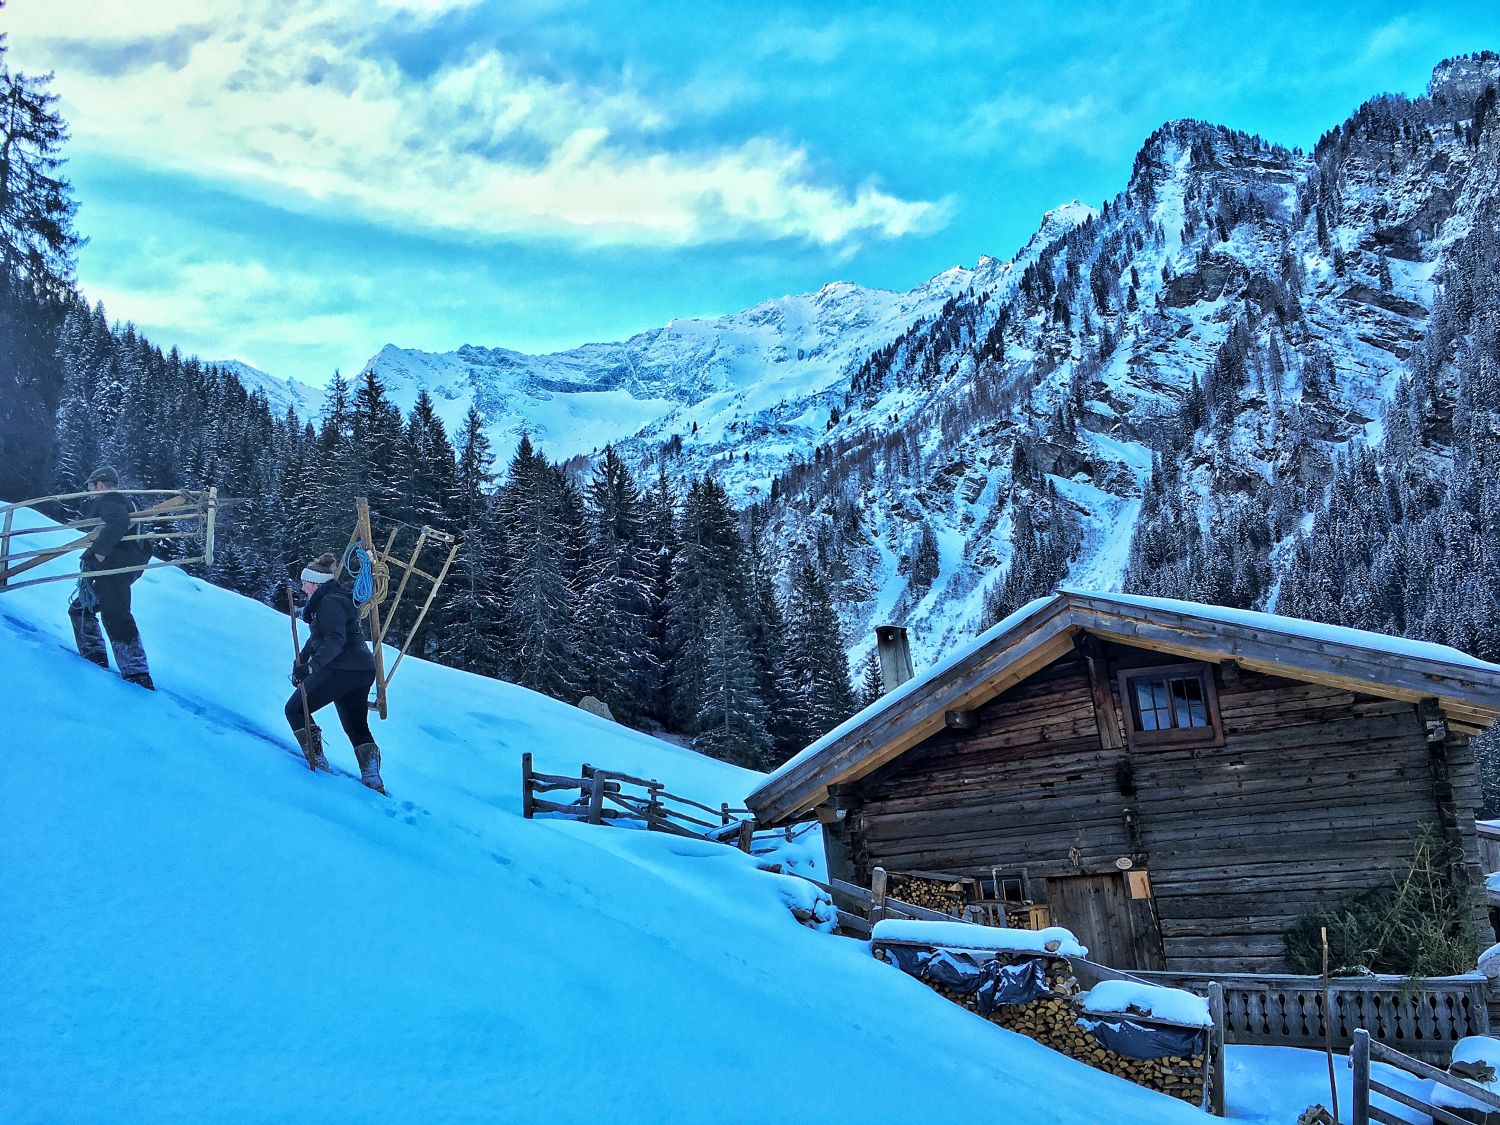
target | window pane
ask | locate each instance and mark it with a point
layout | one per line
(1151, 703)
(1188, 706)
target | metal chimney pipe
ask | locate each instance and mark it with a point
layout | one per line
(895, 655)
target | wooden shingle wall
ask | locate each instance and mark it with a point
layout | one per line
(1315, 792)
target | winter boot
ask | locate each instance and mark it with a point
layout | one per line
(311, 741)
(88, 636)
(130, 659)
(368, 757)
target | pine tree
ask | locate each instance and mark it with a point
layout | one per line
(538, 604)
(871, 681)
(37, 248)
(710, 564)
(730, 718)
(469, 625)
(615, 606)
(819, 665)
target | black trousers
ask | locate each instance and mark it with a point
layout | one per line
(113, 592)
(349, 692)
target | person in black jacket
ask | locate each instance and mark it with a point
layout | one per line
(335, 666)
(108, 595)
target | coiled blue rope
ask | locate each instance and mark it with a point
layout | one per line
(356, 563)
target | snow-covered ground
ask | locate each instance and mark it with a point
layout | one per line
(194, 928)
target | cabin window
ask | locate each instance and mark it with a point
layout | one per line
(1173, 705)
(1008, 886)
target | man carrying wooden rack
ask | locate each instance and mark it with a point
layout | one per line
(108, 595)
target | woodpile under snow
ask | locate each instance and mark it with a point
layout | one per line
(1024, 982)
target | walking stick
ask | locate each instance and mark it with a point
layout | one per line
(307, 727)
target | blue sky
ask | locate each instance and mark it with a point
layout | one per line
(296, 185)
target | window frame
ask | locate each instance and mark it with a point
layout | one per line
(1210, 735)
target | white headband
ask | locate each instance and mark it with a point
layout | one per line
(316, 577)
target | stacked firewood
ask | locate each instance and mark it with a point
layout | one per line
(934, 894)
(1052, 1021)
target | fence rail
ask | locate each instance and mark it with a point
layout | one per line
(1423, 1016)
(609, 796)
(1366, 1050)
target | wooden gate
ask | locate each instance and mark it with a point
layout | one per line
(1101, 915)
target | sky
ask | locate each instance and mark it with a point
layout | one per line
(296, 185)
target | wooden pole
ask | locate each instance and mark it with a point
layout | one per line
(1359, 1056)
(405, 578)
(596, 797)
(1333, 1086)
(209, 517)
(526, 803)
(73, 577)
(362, 532)
(291, 609)
(1216, 1049)
(5, 550)
(877, 894)
(422, 616)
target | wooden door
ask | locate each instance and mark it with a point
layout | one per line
(1097, 909)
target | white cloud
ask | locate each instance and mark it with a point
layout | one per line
(1034, 128)
(296, 104)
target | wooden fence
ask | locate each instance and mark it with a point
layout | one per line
(1366, 1050)
(1423, 1016)
(611, 797)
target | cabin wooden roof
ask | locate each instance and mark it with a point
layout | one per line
(1039, 633)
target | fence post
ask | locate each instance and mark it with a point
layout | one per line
(1216, 1049)
(724, 812)
(747, 833)
(877, 894)
(596, 797)
(655, 810)
(526, 808)
(5, 555)
(1359, 1056)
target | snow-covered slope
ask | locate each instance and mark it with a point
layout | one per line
(197, 929)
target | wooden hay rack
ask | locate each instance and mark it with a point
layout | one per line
(612, 797)
(176, 515)
(382, 561)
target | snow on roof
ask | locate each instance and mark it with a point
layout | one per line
(1173, 1005)
(1053, 941)
(1298, 627)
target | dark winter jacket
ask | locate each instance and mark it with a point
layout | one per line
(334, 639)
(115, 510)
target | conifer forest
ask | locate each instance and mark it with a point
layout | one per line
(1282, 471)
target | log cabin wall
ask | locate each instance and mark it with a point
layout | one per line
(1315, 792)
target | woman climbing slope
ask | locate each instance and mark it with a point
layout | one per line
(335, 666)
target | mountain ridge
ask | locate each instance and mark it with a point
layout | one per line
(1017, 410)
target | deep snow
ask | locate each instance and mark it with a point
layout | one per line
(195, 928)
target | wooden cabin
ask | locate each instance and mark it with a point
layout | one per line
(1178, 782)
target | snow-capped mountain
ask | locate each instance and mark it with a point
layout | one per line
(720, 374)
(280, 393)
(1240, 310)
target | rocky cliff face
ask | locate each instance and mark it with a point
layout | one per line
(1186, 363)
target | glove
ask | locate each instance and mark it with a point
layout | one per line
(300, 672)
